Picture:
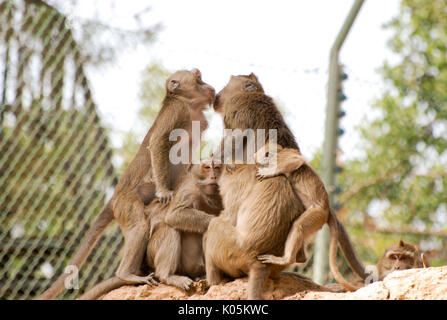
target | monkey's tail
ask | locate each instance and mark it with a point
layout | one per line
(102, 288)
(87, 244)
(334, 227)
(349, 252)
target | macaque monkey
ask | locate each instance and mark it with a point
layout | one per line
(402, 256)
(275, 160)
(256, 219)
(243, 105)
(258, 215)
(186, 98)
(174, 249)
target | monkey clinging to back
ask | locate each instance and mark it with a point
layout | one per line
(310, 189)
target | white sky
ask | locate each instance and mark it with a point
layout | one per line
(280, 41)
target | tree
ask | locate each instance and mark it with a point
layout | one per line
(55, 157)
(399, 185)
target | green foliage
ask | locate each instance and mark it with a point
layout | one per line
(401, 181)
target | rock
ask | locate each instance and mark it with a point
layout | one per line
(428, 283)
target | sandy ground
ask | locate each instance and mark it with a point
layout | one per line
(414, 284)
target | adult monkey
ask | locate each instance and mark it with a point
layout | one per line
(257, 215)
(174, 249)
(401, 256)
(186, 98)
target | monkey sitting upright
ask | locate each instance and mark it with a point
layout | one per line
(174, 249)
(401, 256)
(150, 172)
(310, 189)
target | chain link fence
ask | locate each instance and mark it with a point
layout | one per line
(56, 170)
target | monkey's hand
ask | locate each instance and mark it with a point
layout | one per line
(164, 196)
(265, 172)
(268, 258)
(150, 279)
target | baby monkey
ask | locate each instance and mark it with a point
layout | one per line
(275, 160)
(174, 249)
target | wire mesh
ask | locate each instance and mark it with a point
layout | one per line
(55, 157)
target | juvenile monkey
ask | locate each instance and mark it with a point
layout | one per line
(174, 249)
(258, 214)
(186, 98)
(401, 256)
(276, 160)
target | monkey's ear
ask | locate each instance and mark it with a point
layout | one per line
(252, 76)
(251, 86)
(401, 243)
(196, 72)
(173, 85)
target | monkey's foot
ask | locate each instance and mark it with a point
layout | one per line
(268, 258)
(266, 172)
(164, 196)
(179, 281)
(134, 279)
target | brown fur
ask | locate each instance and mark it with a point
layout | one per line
(186, 97)
(401, 256)
(174, 249)
(253, 109)
(310, 189)
(256, 220)
(257, 215)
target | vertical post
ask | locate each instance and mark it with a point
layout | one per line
(321, 255)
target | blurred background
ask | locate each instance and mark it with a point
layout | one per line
(81, 83)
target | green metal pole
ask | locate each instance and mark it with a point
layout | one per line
(321, 256)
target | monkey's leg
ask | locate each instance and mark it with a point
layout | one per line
(308, 223)
(167, 260)
(136, 228)
(212, 246)
(257, 275)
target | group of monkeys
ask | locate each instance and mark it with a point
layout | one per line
(187, 220)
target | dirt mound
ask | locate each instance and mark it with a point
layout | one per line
(429, 283)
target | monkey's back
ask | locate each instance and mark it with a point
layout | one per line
(254, 110)
(265, 217)
(309, 187)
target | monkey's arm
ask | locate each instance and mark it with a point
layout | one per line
(188, 219)
(159, 146)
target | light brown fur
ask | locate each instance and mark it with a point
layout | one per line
(310, 189)
(401, 256)
(186, 97)
(258, 214)
(174, 249)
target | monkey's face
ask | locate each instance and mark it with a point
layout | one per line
(189, 85)
(399, 257)
(236, 85)
(207, 175)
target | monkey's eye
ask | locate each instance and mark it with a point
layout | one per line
(207, 167)
(394, 257)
